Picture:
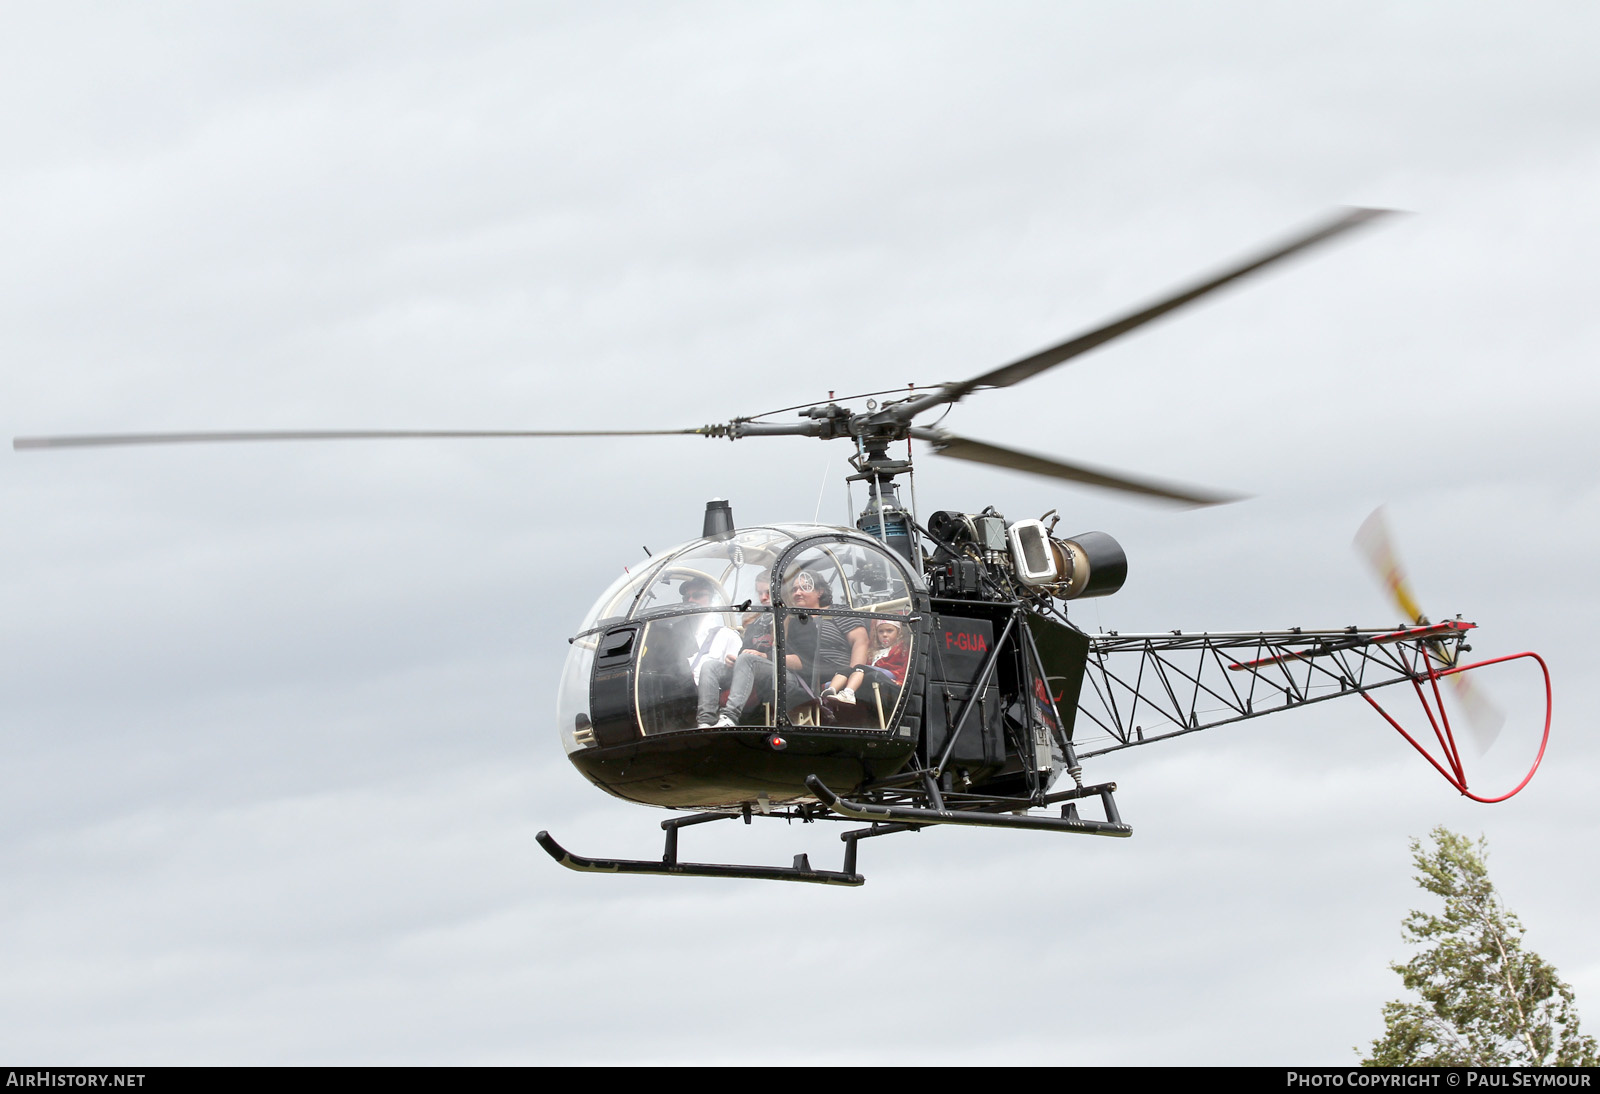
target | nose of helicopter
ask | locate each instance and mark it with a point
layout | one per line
(733, 667)
(723, 768)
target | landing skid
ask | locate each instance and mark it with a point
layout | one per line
(670, 866)
(886, 819)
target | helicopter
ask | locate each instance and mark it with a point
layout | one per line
(904, 673)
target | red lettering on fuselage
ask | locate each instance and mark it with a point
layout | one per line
(961, 640)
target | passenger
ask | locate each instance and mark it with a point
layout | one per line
(710, 638)
(757, 625)
(892, 644)
(828, 647)
(712, 675)
(886, 673)
(828, 651)
(817, 648)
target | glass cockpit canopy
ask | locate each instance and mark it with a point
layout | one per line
(711, 577)
(863, 575)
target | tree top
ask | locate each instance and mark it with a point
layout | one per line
(1484, 1000)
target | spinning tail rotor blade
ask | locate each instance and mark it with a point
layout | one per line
(962, 448)
(112, 440)
(1483, 717)
(1376, 545)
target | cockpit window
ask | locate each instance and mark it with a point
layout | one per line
(745, 631)
(730, 569)
(845, 653)
(857, 577)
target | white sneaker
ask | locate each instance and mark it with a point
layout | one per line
(848, 695)
(725, 722)
(827, 692)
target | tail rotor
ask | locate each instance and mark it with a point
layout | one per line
(1375, 543)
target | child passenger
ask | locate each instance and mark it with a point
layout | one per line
(891, 649)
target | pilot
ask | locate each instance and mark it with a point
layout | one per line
(674, 643)
(714, 673)
(697, 591)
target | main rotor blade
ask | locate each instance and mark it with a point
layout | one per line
(1376, 545)
(963, 448)
(107, 440)
(1018, 371)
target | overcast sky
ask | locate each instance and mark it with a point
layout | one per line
(278, 720)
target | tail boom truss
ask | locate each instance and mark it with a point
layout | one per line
(1140, 688)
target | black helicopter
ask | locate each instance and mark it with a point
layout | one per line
(903, 673)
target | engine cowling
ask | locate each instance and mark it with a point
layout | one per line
(1085, 565)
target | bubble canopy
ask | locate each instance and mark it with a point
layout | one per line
(859, 569)
(780, 626)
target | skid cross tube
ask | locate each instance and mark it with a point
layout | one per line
(855, 835)
(871, 811)
(1104, 791)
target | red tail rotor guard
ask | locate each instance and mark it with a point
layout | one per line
(1456, 774)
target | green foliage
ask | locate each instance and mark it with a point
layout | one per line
(1486, 1001)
